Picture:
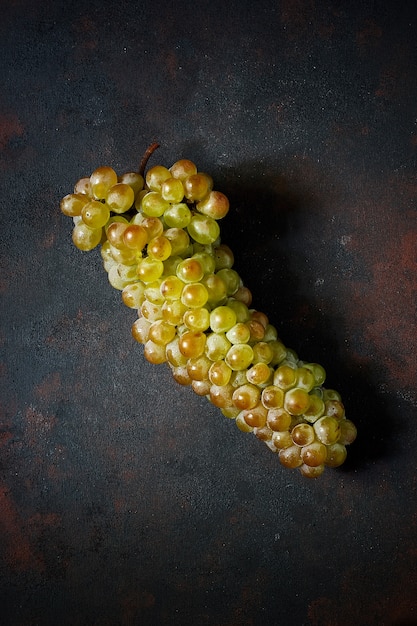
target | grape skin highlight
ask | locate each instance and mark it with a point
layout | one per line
(160, 244)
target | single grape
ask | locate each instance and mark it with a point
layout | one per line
(222, 319)
(86, 238)
(197, 186)
(73, 203)
(177, 216)
(203, 229)
(95, 214)
(239, 356)
(156, 176)
(172, 190)
(183, 168)
(120, 198)
(215, 205)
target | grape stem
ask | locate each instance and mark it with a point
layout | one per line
(148, 153)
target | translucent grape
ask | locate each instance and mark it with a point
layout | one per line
(159, 248)
(327, 430)
(120, 198)
(161, 332)
(150, 269)
(135, 237)
(223, 257)
(222, 319)
(215, 205)
(259, 374)
(73, 204)
(239, 333)
(177, 216)
(194, 295)
(86, 238)
(190, 270)
(172, 190)
(219, 373)
(273, 398)
(278, 419)
(192, 343)
(153, 204)
(179, 239)
(134, 180)
(303, 434)
(230, 278)
(197, 319)
(217, 346)
(348, 432)
(290, 456)
(239, 356)
(296, 401)
(183, 168)
(314, 454)
(199, 367)
(140, 329)
(173, 311)
(95, 214)
(133, 295)
(203, 229)
(197, 186)
(154, 352)
(246, 397)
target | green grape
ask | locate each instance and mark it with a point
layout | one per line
(336, 454)
(115, 234)
(171, 288)
(222, 319)
(150, 269)
(177, 216)
(217, 346)
(83, 186)
(239, 356)
(120, 198)
(73, 204)
(198, 367)
(285, 377)
(159, 248)
(290, 456)
(183, 168)
(272, 397)
(194, 295)
(152, 292)
(303, 434)
(86, 238)
(348, 432)
(256, 417)
(180, 375)
(206, 261)
(327, 430)
(197, 319)
(314, 454)
(296, 401)
(282, 439)
(153, 204)
(221, 396)
(192, 343)
(315, 409)
(215, 205)
(95, 214)
(201, 387)
(172, 190)
(262, 352)
(190, 270)
(240, 308)
(101, 180)
(154, 352)
(133, 295)
(174, 355)
(173, 311)
(239, 333)
(179, 239)
(151, 311)
(161, 332)
(278, 420)
(203, 229)
(230, 278)
(305, 378)
(140, 330)
(246, 397)
(135, 237)
(259, 373)
(197, 186)
(134, 180)
(216, 288)
(219, 373)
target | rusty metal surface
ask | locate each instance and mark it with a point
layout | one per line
(124, 498)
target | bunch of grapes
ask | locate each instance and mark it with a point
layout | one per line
(160, 244)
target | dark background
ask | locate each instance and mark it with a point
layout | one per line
(124, 498)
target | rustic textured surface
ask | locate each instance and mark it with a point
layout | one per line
(124, 498)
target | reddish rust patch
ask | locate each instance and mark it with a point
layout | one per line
(49, 387)
(38, 425)
(10, 127)
(19, 553)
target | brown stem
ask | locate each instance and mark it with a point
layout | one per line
(149, 151)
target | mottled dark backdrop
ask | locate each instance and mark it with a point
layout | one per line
(124, 498)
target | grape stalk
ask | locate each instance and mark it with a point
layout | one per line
(159, 235)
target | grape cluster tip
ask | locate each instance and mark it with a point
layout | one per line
(159, 236)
